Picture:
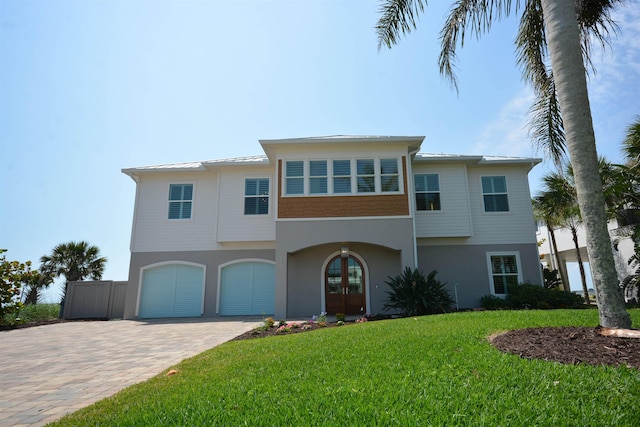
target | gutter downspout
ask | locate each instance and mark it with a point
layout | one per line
(412, 201)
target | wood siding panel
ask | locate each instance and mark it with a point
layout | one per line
(454, 218)
(344, 206)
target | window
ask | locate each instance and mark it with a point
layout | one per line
(389, 177)
(427, 192)
(294, 172)
(318, 177)
(494, 190)
(256, 196)
(342, 176)
(180, 199)
(366, 175)
(505, 272)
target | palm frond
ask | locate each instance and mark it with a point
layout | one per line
(476, 15)
(397, 18)
(531, 46)
(545, 124)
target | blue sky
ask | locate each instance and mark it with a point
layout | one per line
(90, 87)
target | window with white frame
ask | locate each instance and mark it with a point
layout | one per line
(294, 177)
(494, 192)
(366, 175)
(504, 271)
(427, 188)
(341, 176)
(318, 177)
(180, 201)
(256, 196)
(389, 176)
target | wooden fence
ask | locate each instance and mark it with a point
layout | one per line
(102, 299)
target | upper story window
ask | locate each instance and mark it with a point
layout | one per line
(341, 176)
(294, 172)
(504, 272)
(256, 196)
(366, 175)
(427, 187)
(494, 191)
(318, 177)
(180, 200)
(389, 175)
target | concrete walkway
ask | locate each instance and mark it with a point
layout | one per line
(49, 371)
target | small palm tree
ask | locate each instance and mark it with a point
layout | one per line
(75, 261)
(559, 194)
(544, 210)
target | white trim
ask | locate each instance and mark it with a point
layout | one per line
(228, 263)
(506, 193)
(353, 176)
(244, 196)
(365, 272)
(342, 218)
(193, 199)
(490, 269)
(172, 262)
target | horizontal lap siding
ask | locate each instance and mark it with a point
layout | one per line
(515, 226)
(153, 231)
(233, 224)
(453, 220)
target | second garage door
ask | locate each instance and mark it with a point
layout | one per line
(247, 288)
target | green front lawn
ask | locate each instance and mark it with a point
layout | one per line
(434, 370)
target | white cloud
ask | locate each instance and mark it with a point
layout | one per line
(508, 134)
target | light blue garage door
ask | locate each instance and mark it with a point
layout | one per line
(172, 290)
(247, 288)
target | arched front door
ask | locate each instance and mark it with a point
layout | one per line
(345, 286)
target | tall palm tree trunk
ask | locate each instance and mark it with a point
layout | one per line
(583, 276)
(563, 41)
(565, 282)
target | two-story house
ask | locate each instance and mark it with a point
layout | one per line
(319, 224)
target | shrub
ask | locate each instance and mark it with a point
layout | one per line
(413, 294)
(492, 302)
(269, 322)
(340, 317)
(526, 295)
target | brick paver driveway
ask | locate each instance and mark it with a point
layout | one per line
(48, 371)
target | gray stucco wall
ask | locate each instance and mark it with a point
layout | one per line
(294, 237)
(306, 276)
(211, 259)
(466, 266)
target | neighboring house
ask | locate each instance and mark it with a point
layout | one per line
(319, 224)
(620, 240)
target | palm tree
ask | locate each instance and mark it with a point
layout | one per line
(561, 195)
(75, 261)
(552, 26)
(631, 144)
(544, 210)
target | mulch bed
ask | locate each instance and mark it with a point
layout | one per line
(570, 345)
(272, 331)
